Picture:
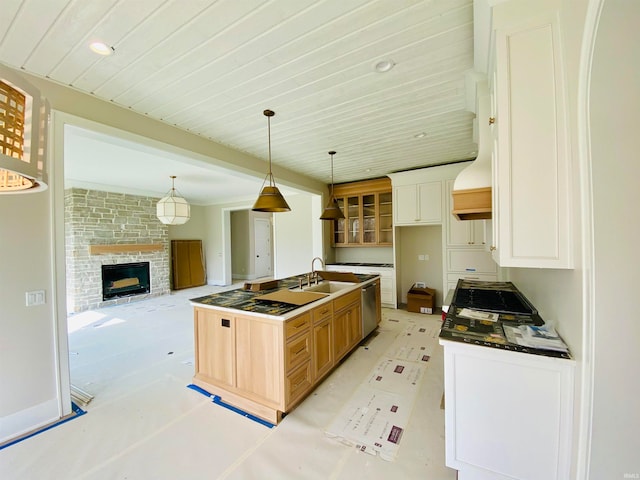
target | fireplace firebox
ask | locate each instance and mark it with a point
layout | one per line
(125, 279)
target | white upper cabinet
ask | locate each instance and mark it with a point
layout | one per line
(418, 204)
(532, 188)
(418, 195)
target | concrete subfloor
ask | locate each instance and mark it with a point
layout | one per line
(144, 423)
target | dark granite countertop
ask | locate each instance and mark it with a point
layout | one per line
(502, 298)
(244, 300)
(362, 264)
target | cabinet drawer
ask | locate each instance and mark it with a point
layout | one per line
(298, 382)
(346, 300)
(322, 312)
(471, 261)
(297, 351)
(297, 325)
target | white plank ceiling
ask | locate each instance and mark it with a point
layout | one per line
(212, 67)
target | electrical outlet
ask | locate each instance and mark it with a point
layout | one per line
(426, 257)
(420, 257)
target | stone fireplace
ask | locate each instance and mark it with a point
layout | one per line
(107, 231)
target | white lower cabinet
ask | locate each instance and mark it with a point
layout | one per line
(387, 280)
(508, 415)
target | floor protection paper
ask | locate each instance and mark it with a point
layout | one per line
(377, 415)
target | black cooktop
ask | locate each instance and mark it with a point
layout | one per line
(500, 297)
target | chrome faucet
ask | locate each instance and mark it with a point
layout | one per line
(314, 274)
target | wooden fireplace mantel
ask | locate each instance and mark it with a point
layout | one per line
(125, 248)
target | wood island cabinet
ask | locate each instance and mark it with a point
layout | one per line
(367, 207)
(266, 366)
(347, 322)
(215, 346)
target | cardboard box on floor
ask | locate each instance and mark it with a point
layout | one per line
(420, 299)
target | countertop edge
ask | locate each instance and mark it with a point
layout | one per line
(293, 313)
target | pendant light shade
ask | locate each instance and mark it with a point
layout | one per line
(270, 198)
(332, 210)
(173, 209)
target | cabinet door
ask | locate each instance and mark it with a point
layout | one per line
(369, 220)
(347, 330)
(354, 220)
(534, 228)
(341, 333)
(215, 354)
(260, 359)
(405, 204)
(339, 226)
(322, 348)
(487, 390)
(430, 202)
(385, 219)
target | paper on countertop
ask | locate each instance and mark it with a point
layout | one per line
(478, 315)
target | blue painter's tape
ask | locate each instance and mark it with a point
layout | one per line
(218, 401)
(77, 412)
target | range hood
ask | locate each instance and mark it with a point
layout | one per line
(472, 187)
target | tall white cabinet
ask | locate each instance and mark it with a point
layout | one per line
(531, 154)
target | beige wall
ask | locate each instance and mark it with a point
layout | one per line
(194, 229)
(28, 370)
(240, 245)
(297, 236)
(414, 241)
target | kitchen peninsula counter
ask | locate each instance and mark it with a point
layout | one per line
(265, 357)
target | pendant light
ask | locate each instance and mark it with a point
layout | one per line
(332, 210)
(270, 198)
(23, 134)
(173, 209)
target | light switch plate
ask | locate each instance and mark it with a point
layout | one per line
(37, 297)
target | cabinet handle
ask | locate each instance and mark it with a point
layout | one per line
(226, 323)
(301, 350)
(492, 120)
(492, 248)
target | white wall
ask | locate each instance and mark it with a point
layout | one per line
(297, 236)
(615, 143)
(28, 369)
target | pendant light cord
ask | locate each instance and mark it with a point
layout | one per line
(269, 114)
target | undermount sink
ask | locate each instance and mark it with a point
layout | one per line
(328, 286)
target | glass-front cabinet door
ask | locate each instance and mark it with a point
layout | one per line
(353, 220)
(369, 219)
(385, 219)
(339, 233)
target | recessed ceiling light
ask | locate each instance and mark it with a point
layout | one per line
(384, 66)
(420, 135)
(101, 48)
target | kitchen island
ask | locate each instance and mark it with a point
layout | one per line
(265, 356)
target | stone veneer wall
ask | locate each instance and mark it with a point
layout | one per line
(94, 217)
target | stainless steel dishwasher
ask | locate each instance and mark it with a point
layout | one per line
(369, 313)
